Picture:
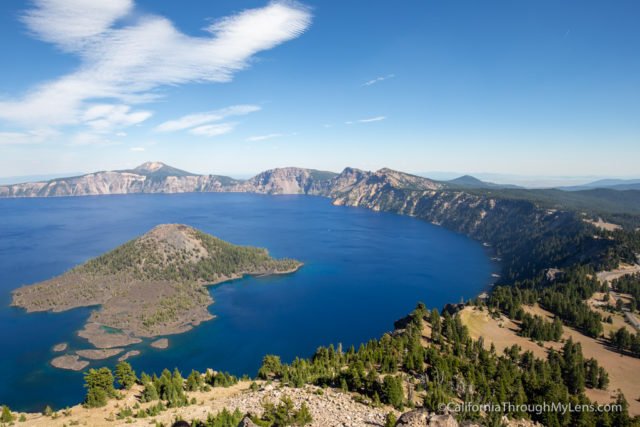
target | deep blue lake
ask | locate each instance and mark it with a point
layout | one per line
(362, 271)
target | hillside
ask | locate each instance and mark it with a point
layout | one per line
(152, 285)
(428, 361)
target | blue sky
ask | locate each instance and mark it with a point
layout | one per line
(234, 87)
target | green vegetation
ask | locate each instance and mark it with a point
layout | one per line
(145, 259)
(539, 329)
(619, 207)
(223, 418)
(625, 342)
(284, 414)
(452, 367)
(6, 416)
(125, 375)
(390, 420)
(99, 385)
(563, 297)
(629, 284)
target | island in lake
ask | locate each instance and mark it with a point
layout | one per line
(151, 286)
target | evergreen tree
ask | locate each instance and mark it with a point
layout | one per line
(99, 385)
(125, 375)
(393, 392)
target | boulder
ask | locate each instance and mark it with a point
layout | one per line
(246, 422)
(416, 418)
(422, 418)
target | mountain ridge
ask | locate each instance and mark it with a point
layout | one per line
(508, 220)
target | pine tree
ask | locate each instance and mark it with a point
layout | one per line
(390, 420)
(125, 375)
(303, 416)
(392, 391)
(194, 381)
(99, 384)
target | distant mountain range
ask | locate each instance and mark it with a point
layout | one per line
(613, 184)
(157, 177)
(468, 181)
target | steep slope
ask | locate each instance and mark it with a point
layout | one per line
(153, 285)
(157, 177)
(289, 181)
(527, 238)
(150, 177)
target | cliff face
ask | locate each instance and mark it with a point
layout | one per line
(155, 177)
(289, 181)
(525, 237)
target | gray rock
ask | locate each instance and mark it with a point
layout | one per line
(422, 418)
(442, 421)
(417, 418)
(246, 422)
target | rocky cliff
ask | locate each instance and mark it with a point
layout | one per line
(289, 181)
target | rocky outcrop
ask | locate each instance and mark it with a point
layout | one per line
(246, 422)
(289, 181)
(156, 177)
(422, 418)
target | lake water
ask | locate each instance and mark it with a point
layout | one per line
(362, 271)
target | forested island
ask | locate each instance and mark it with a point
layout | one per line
(151, 286)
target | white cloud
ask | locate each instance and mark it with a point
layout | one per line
(213, 130)
(197, 119)
(103, 117)
(136, 149)
(264, 137)
(127, 63)
(36, 136)
(372, 119)
(121, 134)
(91, 138)
(378, 80)
(81, 19)
(369, 120)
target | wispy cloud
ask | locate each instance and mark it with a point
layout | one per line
(264, 137)
(213, 130)
(91, 138)
(198, 119)
(137, 149)
(369, 120)
(104, 117)
(126, 64)
(30, 137)
(378, 80)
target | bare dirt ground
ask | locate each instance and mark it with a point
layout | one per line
(328, 408)
(501, 332)
(607, 276)
(603, 225)
(623, 370)
(597, 304)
